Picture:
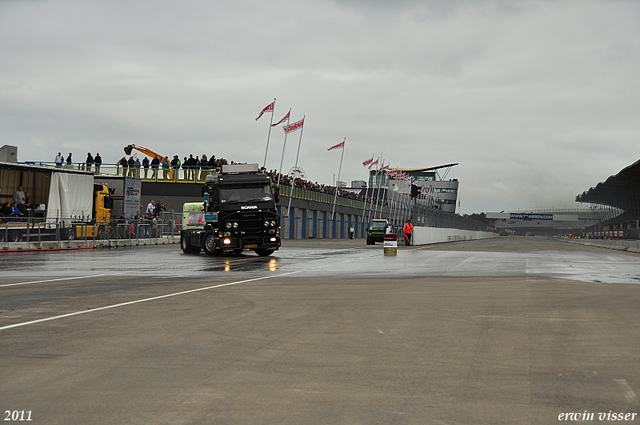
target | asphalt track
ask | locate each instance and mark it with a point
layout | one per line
(502, 331)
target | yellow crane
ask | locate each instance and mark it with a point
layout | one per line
(128, 149)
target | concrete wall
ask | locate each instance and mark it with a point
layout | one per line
(429, 235)
(618, 245)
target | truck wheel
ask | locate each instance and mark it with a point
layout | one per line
(370, 241)
(209, 243)
(186, 247)
(264, 252)
(184, 244)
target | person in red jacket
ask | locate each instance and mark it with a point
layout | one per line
(408, 231)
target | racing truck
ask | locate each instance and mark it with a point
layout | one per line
(239, 213)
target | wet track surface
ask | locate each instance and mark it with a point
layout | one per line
(309, 259)
(504, 331)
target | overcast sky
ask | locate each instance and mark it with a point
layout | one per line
(536, 100)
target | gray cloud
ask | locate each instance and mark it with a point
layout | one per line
(537, 100)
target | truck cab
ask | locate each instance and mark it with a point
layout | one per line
(99, 226)
(239, 213)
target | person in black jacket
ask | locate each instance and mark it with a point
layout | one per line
(212, 163)
(122, 163)
(155, 162)
(175, 164)
(131, 163)
(145, 165)
(204, 165)
(98, 161)
(89, 161)
(190, 166)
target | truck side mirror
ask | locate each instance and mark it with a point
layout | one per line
(276, 194)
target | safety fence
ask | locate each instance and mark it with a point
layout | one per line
(37, 229)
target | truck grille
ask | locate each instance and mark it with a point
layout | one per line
(252, 222)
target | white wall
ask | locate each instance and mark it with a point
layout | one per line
(428, 235)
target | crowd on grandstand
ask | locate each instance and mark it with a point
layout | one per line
(199, 166)
(287, 180)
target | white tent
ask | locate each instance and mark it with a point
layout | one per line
(70, 197)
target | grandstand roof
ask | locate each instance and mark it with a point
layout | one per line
(413, 170)
(620, 190)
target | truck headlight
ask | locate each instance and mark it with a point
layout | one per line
(266, 224)
(235, 224)
(228, 225)
(273, 223)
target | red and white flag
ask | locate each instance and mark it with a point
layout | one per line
(339, 145)
(367, 162)
(268, 108)
(373, 163)
(293, 127)
(386, 167)
(285, 118)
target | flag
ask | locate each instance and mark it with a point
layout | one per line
(293, 127)
(373, 163)
(386, 167)
(285, 118)
(339, 145)
(268, 108)
(367, 162)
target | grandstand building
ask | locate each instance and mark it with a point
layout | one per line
(435, 191)
(619, 197)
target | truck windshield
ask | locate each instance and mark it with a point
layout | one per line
(245, 194)
(378, 225)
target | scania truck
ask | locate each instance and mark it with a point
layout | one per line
(239, 214)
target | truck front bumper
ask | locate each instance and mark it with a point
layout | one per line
(249, 242)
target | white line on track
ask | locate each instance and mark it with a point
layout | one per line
(628, 392)
(108, 307)
(52, 280)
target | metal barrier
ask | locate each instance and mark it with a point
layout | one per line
(64, 230)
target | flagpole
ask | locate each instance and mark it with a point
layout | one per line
(364, 210)
(283, 146)
(379, 187)
(380, 165)
(296, 166)
(264, 163)
(335, 197)
(373, 191)
(393, 204)
(382, 175)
